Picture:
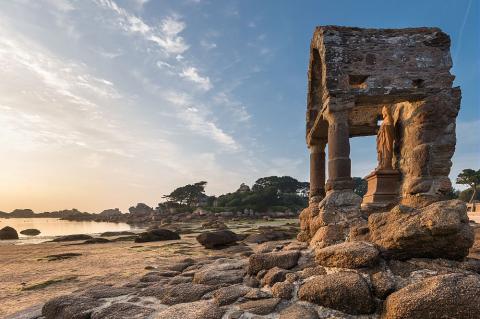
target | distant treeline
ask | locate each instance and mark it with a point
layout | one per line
(272, 193)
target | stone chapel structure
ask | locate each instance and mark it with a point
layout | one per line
(356, 78)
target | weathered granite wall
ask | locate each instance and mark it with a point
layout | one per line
(353, 73)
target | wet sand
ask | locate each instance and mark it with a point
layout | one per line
(27, 278)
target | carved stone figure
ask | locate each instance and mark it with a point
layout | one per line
(385, 138)
(353, 74)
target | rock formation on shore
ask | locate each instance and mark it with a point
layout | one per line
(8, 232)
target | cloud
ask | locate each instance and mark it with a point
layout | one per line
(208, 45)
(62, 5)
(166, 36)
(111, 122)
(191, 74)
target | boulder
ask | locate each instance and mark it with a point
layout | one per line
(383, 284)
(105, 291)
(212, 277)
(193, 310)
(445, 296)
(8, 232)
(282, 259)
(269, 235)
(30, 232)
(159, 234)
(298, 311)
(214, 224)
(283, 290)
(274, 275)
(74, 237)
(228, 295)
(343, 291)
(97, 240)
(217, 239)
(71, 307)
(311, 271)
(348, 255)
(221, 271)
(440, 230)
(186, 292)
(123, 310)
(260, 306)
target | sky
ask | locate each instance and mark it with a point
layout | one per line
(107, 103)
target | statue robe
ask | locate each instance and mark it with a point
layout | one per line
(385, 139)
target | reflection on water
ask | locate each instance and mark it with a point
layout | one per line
(51, 227)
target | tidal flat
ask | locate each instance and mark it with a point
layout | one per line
(31, 274)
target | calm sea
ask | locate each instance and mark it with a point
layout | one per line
(52, 227)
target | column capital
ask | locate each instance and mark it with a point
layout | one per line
(336, 117)
(318, 147)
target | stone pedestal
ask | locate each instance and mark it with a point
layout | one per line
(383, 188)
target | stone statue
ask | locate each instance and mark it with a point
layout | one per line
(385, 139)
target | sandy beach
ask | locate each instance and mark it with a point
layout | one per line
(28, 278)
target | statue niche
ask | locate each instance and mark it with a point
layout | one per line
(385, 138)
(383, 182)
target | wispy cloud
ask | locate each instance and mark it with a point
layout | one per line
(191, 74)
(166, 36)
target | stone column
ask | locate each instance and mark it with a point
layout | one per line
(339, 164)
(317, 171)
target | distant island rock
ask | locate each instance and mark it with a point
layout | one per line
(30, 232)
(8, 233)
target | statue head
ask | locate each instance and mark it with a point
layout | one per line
(386, 113)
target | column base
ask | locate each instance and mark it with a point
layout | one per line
(382, 189)
(339, 184)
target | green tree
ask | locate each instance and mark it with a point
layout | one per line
(471, 178)
(188, 195)
(360, 186)
(283, 184)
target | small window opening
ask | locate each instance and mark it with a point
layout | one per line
(418, 83)
(357, 81)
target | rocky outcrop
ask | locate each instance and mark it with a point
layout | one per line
(123, 310)
(447, 296)
(74, 237)
(298, 311)
(329, 221)
(195, 310)
(159, 234)
(344, 291)
(284, 259)
(440, 230)
(274, 275)
(217, 239)
(270, 234)
(30, 232)
(348, 255)
(7, 233)
(75, 307)
(260, 307)
(286, 283)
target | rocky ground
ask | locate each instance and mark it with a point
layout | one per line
(34, 273)
(276, 279)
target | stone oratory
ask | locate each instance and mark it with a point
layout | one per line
(358, 78)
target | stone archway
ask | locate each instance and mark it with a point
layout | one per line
(353, 74)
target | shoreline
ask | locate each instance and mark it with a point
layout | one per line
(28, 278)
